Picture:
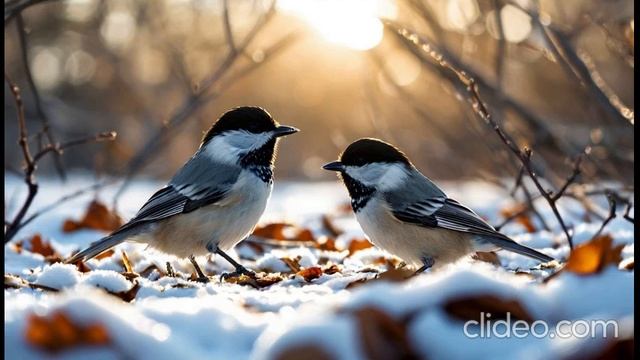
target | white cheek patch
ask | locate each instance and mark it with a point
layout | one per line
(228, 147)
(383, 176)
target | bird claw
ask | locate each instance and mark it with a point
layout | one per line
(240, 270)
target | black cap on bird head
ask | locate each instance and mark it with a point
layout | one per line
(368, 150)
(250, 118)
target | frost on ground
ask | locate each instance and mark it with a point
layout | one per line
(324, 293)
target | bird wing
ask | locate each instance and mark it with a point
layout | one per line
(199, 183)
(445, 213)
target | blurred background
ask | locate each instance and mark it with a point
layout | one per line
(557, 75)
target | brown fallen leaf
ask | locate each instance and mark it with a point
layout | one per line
(284, 231)
(490, 257)
(332, 269)
(97, 217)
(129, 295)
(327, 223)
(58, 332)
(261, 280)
(358, 244)
(293, 264)
(470, 308)
(629, 266)
(42, 247)
(383, 337)
(522, 219)
(329, 245)
(594, 256)
(614, 350)
(310, 351)
(310, 273)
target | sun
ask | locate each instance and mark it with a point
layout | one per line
(354, 24)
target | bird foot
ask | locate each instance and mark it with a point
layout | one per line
(240, 270)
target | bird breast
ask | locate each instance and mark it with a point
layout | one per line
(410, 242)
(225, 223)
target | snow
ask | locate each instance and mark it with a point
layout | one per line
(178, 318)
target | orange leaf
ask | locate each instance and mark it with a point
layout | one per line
(522, 219)
(382, 336)
(470, 308)
(328, 245)
(332, 269)
(38, 245)
(310, 273)
(97, 217)
(293, 264)
(58, 332)
(357, 245)
(594, 256)
(278, 231)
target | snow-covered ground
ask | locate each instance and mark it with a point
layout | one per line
(336, 315)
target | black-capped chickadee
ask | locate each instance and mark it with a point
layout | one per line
(216, 199)
(406, 214)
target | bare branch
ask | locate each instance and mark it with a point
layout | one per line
(46, 128)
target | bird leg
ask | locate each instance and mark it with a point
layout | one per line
(240, 270)
(427, 262)
(201, 276)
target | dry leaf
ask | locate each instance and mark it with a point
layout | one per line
(283, 231)
(261, 280)
(327, 223)
(329, 245)
(332, 269)
(383, 337)
(57, 332)
(42, 247)
(97, 217)
(470, 308)
(358, 244)
(310, 273)
(293, 264)
(594, 256)
(522, 219)
(128, 295)
(311, 352)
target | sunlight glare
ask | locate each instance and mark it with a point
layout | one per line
(351, 23)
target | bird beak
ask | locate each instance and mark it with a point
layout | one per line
(284, 131)
(334, 166)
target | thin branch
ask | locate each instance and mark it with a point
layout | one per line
(12, 9)
(59, 148)
(612, 214)
(46, 128)
(228, 32)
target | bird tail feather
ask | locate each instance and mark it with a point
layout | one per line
(99, 247)
(510, 245)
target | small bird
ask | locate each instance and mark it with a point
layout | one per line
(406, 214)
(216, 199)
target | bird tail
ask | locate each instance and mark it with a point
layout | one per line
(510, 245)
(99, 247)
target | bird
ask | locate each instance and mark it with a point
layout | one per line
(216, 199)
(408, 215)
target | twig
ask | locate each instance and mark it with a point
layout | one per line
(46, 127)
(59, 148)
(228, 33)
(612, 214)
(627, 210)
(62, 201)
(31, 161)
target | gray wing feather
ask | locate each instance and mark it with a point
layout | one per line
(200, 182)
(432, 208)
